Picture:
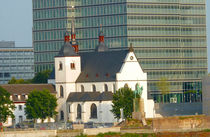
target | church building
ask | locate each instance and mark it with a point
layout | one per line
(86, 81)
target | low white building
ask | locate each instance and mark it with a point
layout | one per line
(85, 82)
(19, 95)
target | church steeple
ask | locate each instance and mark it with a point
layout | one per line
(73, 37)
(101, 46)
(67, 49)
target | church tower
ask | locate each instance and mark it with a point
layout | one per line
(67, 70)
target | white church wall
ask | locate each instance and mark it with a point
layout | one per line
(104, 115)
(65, 75)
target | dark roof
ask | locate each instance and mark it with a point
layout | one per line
(101, 47)
(89, 96)
(67, 50)
(101, 66)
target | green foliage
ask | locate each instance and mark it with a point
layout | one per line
(41, 77)
(18, 81)
(6, 105)
(123, 98)
(164, 86)
(40, 104)
(82, 135)
(107, 134)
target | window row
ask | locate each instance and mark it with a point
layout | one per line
(82, 88)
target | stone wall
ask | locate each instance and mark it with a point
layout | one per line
(181, 123)
(178, 109)
(95, 131)
(38, 133)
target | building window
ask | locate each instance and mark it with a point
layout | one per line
(79, 111)
(61, 92)
(72, 66)
(61, 115)
(94, 88)
(20, 107)
(105, 87)
(60, 66)
(82, 88)
(114, 89)
(20, 119)
(93, 111)
(69, 108)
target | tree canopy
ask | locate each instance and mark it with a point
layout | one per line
(40, 105)
(123, 98)
(164, 87)
(18, 81)
(41, 77)
(6, 105)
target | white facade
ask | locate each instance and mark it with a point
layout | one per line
(130, 73)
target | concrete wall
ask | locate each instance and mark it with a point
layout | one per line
(206, 95)
(178, 109)
(38, 133)
(185, 123)
(95, 131)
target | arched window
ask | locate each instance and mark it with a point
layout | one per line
(93, 111)
(105, 87)
(61, 91)
(61, 115)
(114, 89)
(82, 88)
(60, 66)
(79, 111)
(94, 88)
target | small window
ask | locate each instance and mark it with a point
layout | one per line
(94, 88)
(105, 87)
(72, 66)
(20, 107)
(61, 91)
(61, 115)
(24, 96)
(60, 66)
(82, 88)
(114, 89)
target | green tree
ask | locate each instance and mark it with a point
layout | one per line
(18, 81)
(41, 77)
(123, 98)
(6, 105)
(164, 87)
(40, 105)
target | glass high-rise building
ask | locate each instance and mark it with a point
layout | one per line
(169, 37)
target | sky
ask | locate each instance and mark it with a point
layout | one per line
(16, 23)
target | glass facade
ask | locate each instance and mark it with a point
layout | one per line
(16, 62)
(169, 36)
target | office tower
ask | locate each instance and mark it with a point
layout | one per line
(169, 38)
(51, 18)
(16, 62)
